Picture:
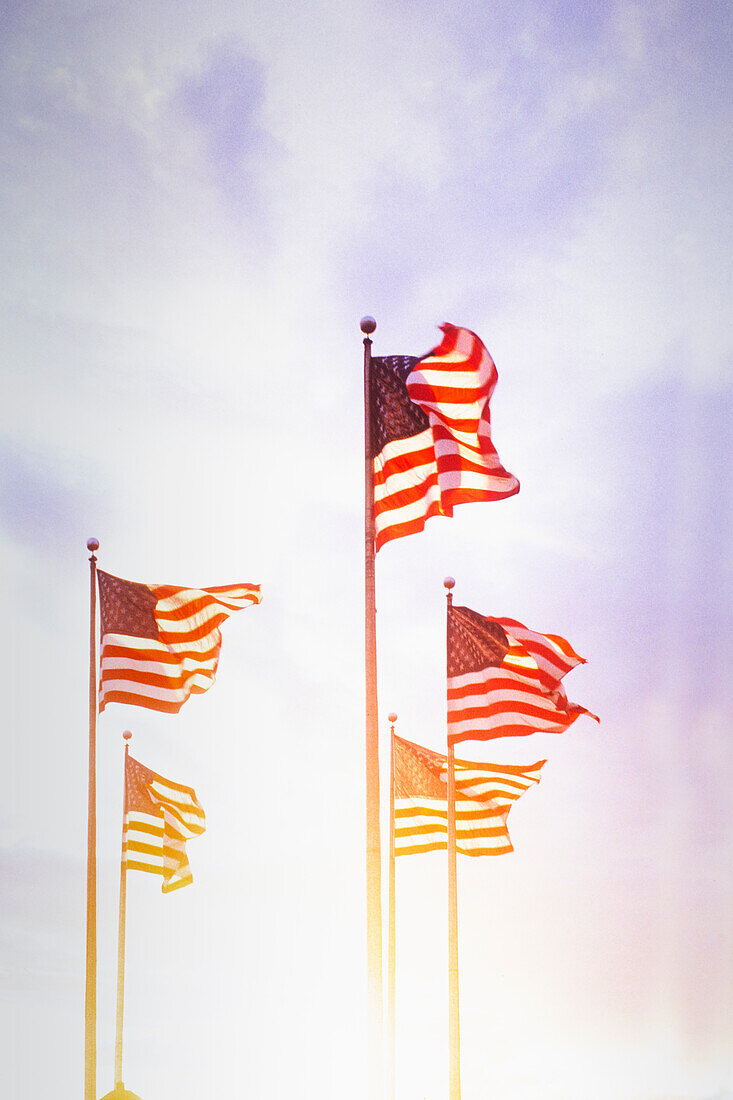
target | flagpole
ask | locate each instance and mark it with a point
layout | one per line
(391, 948)
(454, 1025)
(121, 930)
(373, 845)
(90, 998)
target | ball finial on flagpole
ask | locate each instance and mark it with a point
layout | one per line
(92, 544)
(127, 734)
(449, 583)
(391, 718)
(368, 325)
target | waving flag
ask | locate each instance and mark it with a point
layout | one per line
(431, 438)
(160, 816)
(160, 642)
(517, 694)
(484, 796)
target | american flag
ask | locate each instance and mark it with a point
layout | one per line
(160, 816)
(431, 434)
(484, 795)
(160, 642)
(518, 694)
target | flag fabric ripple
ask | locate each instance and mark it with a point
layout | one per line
(484, 796)
(160, 816)
(431, 434)
(161, 643)
(516, 696)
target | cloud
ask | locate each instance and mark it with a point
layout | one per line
(39, 505)
(224, 101)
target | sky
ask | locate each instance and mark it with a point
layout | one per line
(198, 203)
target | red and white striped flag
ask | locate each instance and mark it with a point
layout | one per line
(160, 642)
(513, 695)
(160, 816)
(431, 434)
(484, 796)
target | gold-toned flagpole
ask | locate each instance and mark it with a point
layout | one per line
(375, 1052)
(121, 931)
(454, 1024)
(391, 944)
(90, 999)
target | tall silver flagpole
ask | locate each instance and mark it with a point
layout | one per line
(454, 1025)
(391, 945)
(90, 998)
(375, 1051)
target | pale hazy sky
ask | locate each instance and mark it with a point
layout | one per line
(198, 204)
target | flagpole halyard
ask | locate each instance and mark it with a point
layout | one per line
(121, 928)
(90, 998)
(392, 922)
(454, 1028)
(373, 843)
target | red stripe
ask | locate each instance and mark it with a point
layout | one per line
(481, 813)
(179, 639)
(508, 729)
(449, 395)
(135, 826)
(473, 496)
(493, 830)
(185, 881)
(135, 865)
(485, 851)
(417, 849)
(139, 701)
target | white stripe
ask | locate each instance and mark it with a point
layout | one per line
(407, 512)
(131, 644)
(145, 691)
(498, 792)
(483, 725)
(135, 817)
(471, 450)
(504, 700)
(488, 679)
(441, 379)
(185, 665)
(401, 480)
(451, 412)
